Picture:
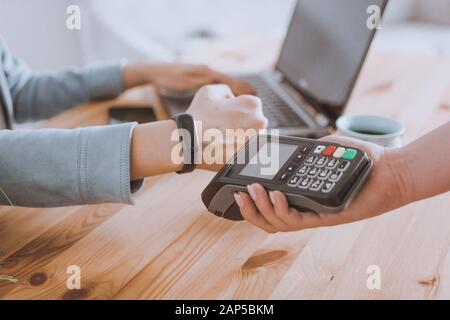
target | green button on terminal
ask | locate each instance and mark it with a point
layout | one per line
(350, 154)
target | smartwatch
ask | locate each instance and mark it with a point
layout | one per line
(189, 140)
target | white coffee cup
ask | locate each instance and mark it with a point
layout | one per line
(384, 131)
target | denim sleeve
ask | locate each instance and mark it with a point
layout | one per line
(60, 167)
(45, 95)
(38, 96)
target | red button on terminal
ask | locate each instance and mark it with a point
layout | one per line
(329, 151)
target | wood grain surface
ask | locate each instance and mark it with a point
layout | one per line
(167, 246)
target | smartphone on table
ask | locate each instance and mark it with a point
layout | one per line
(123, 114)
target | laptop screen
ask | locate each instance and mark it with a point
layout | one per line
(325, 46)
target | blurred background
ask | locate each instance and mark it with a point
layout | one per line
(193, 30)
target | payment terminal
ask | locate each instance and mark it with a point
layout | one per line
(314, 175)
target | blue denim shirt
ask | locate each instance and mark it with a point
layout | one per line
(59, 167)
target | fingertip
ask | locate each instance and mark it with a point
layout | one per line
(350, 142)
(248, 209)
(253, 190)
(250, 214)
(276, 196)
(272, 198)
(239, 200)
(280, 203)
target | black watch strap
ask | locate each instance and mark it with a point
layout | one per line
(189, 139)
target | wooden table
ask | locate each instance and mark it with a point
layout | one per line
(168, 246)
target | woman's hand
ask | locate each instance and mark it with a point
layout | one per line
(382, 192)
(180, 77)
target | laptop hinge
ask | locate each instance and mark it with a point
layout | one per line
(321, 113)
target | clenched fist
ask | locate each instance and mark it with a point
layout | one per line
(217, 107)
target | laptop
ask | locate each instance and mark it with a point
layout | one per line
(325, 47)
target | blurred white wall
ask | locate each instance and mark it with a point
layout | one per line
(164, 29)
(36, 31)
(416, 27)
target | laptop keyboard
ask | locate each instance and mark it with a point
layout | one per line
(279, 114)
